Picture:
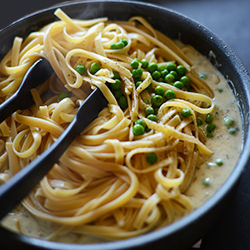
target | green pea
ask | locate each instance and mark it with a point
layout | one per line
(199, 122)
(203, 75)
(219, 162)
(124, 41)
(162, 67)
(169, 78)
(179, 85)
(138, 129)
(210, 135)
(161, 80)
(113, 46)
(228, 121)
(152, 117)
(94, 68)
(152, 67)
(181, 70)
(156, 75)
(159, 90)
(116, 75)
(151, 158)
(117, 85)
(170, 94)
(122, 101)
(117, 94)
(209, 118)
(80, 69)
(135, 63)
(171, 66)
(186, 81)
(157, 100)
(137, 84)
(149, 110)
(206, 182)
(144, 63)
(174, 73)
(186, 113)
(232, 131)
(63, 95)
(164, 73)
(120, 45)
(210, 127)
(141, 122)
(220, 90)
(137, 73)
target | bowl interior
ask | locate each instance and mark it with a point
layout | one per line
(175, 26)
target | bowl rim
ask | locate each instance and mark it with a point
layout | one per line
(200, 211)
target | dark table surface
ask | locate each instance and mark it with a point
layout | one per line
(229, 19)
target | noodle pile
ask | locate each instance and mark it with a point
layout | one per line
(103, 185)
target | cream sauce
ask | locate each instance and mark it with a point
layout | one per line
(224, 145)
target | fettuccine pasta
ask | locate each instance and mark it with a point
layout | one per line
(129, 170)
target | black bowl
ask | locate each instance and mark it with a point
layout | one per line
(183, 233)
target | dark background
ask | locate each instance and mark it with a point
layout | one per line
(228, 19)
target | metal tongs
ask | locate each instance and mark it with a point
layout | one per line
(20, 185)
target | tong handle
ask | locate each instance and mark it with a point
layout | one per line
(9, 106)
